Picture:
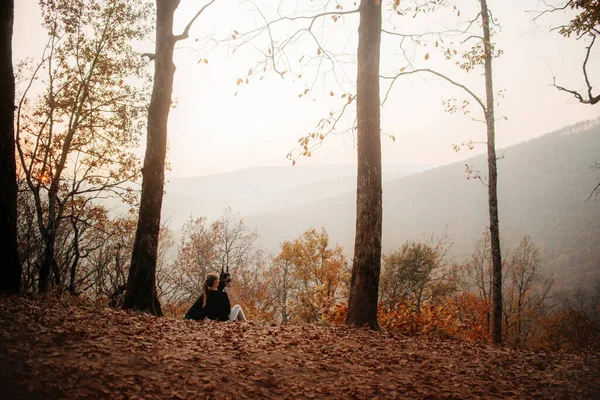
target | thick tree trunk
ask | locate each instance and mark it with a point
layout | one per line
(10, 271)
(364, 285)
(493, 182)
(141, 283)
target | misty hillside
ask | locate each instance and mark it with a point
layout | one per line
(258, 189)
(543, 187)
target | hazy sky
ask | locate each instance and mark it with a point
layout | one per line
(211, 130)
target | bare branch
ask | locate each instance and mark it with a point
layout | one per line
(550, 9)
(151, 56)
(585, 74)
(591, 99)
(417, 71)
(597, 188)
(186, 31)
(471, 37)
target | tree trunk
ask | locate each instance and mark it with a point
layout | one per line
(364, 284)
(76, 257)
(493, 183)
(141, 283)
(10, 272)
(49, 234)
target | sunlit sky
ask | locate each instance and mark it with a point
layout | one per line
(211, 130)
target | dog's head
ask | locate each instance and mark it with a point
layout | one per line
(225, 280)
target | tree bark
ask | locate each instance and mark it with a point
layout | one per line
(48, 260)
(493, 182)
(76, 257)
(364, 284)
(141, 292)
(10, 272)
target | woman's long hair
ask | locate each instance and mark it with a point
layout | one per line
(210, 280)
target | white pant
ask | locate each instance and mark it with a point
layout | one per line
(237, 314)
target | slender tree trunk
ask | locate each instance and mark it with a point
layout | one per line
(493, 182)
(284, 315)
(141, 283)
(10, 271)
(48, 263)
(76, 257)
(364, 284)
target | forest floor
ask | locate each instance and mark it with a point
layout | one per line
(54, 350)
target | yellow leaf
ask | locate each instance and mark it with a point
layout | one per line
(331, 94)
(427, 56)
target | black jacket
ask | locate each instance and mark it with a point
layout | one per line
(217, 307)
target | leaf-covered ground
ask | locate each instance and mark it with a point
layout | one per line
(53, 350)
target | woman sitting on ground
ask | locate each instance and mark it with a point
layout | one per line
(214, 304)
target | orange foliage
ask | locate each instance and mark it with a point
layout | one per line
(447, 320)
(318, 274)
(568, 330)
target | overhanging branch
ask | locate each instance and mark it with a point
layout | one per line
(430, 71)
(186, 31)
(590, 99)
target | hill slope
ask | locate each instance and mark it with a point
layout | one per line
(51, 350)
(543, 187)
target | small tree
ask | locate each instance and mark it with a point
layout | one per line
(526, 293)
(75, 139)
(234, 243)
(315, 281)
(222, 245)
(282, 282)
(407, 274)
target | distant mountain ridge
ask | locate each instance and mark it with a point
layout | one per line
(543, 185)
(259, 189)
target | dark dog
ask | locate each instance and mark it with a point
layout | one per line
(224, 281)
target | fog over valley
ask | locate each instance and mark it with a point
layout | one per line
(544, 185)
